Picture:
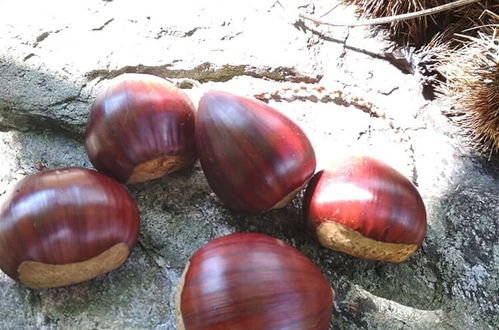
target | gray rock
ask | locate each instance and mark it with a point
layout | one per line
(334, 82)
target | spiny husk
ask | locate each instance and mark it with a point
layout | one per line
(472, 82)
(421, 30)
(462, 48)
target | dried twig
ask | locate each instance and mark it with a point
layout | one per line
(396, 18)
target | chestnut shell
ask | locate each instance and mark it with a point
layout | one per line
(141, 127)
(252, 281)
(366, 196)
(254, 157)
(65, 216)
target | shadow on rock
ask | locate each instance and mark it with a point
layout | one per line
(34, 100)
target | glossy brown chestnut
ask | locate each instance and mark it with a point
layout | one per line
(61, 227)
(365, 208)
(252, 281)
(140, 128)
(254, 157)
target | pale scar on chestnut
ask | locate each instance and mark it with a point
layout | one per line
(158, 167)
(338, 237)
(178, 299)
(39, 275)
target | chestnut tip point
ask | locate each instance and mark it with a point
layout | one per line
(254, 157)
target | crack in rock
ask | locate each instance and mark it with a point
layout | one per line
(100, 28)
(156, 257)
(38, 122)
(401, 58)
(44, 36)
(64, 101)
(27, 57)
(321, 94)
(412, 156)
(388, 93)
(210, 72)
(413, 163)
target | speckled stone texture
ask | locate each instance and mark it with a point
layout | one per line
(336, 83)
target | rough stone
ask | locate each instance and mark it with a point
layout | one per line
(336, 83)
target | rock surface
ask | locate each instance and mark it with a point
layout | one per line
(336, 83)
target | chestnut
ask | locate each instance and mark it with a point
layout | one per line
(252, 281)
(367, 209)
(140, 128)
(254, 157)
(65, 226)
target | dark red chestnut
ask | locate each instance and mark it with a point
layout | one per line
(61, 227)
(367, 209)
(254, 157)
(252, 281)
(140, 128)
